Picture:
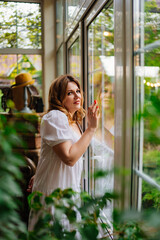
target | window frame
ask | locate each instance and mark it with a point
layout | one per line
(123, 101)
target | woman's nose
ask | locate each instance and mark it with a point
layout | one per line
(76, 95)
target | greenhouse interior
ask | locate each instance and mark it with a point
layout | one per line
(106, 53)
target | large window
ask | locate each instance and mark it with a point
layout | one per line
(101, 88)
(146, 103)
(20, 41)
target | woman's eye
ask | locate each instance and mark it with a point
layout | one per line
(69, 93)
(106, 91)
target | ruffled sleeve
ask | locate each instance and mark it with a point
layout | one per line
(55, 128)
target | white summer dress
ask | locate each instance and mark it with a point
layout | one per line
(52, 172)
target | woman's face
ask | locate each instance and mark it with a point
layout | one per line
(106, 96)
(72, 101)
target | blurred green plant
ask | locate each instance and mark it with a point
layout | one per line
(11, 177)
(75, 214)
(80, 215)
(10, 162)
(134, 225)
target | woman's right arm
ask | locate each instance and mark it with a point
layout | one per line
(68, 152)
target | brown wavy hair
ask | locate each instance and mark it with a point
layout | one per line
(57, 94)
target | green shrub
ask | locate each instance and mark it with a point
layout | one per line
(10, 162)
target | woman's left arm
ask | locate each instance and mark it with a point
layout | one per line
(70, 152)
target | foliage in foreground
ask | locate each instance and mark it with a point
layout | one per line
(11, 225)
(10, 163)
(74, 214)
(85, 221)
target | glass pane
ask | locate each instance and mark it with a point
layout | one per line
(20, 25)
(101, 88)
(147, 86)
(74, 59)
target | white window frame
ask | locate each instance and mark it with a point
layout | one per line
(123, 100)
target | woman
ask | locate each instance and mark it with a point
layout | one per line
(62, 142)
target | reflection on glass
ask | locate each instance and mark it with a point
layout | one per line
(74, 59)
(11, 65)
(20, 25)
(101, 88)
(147, 80)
